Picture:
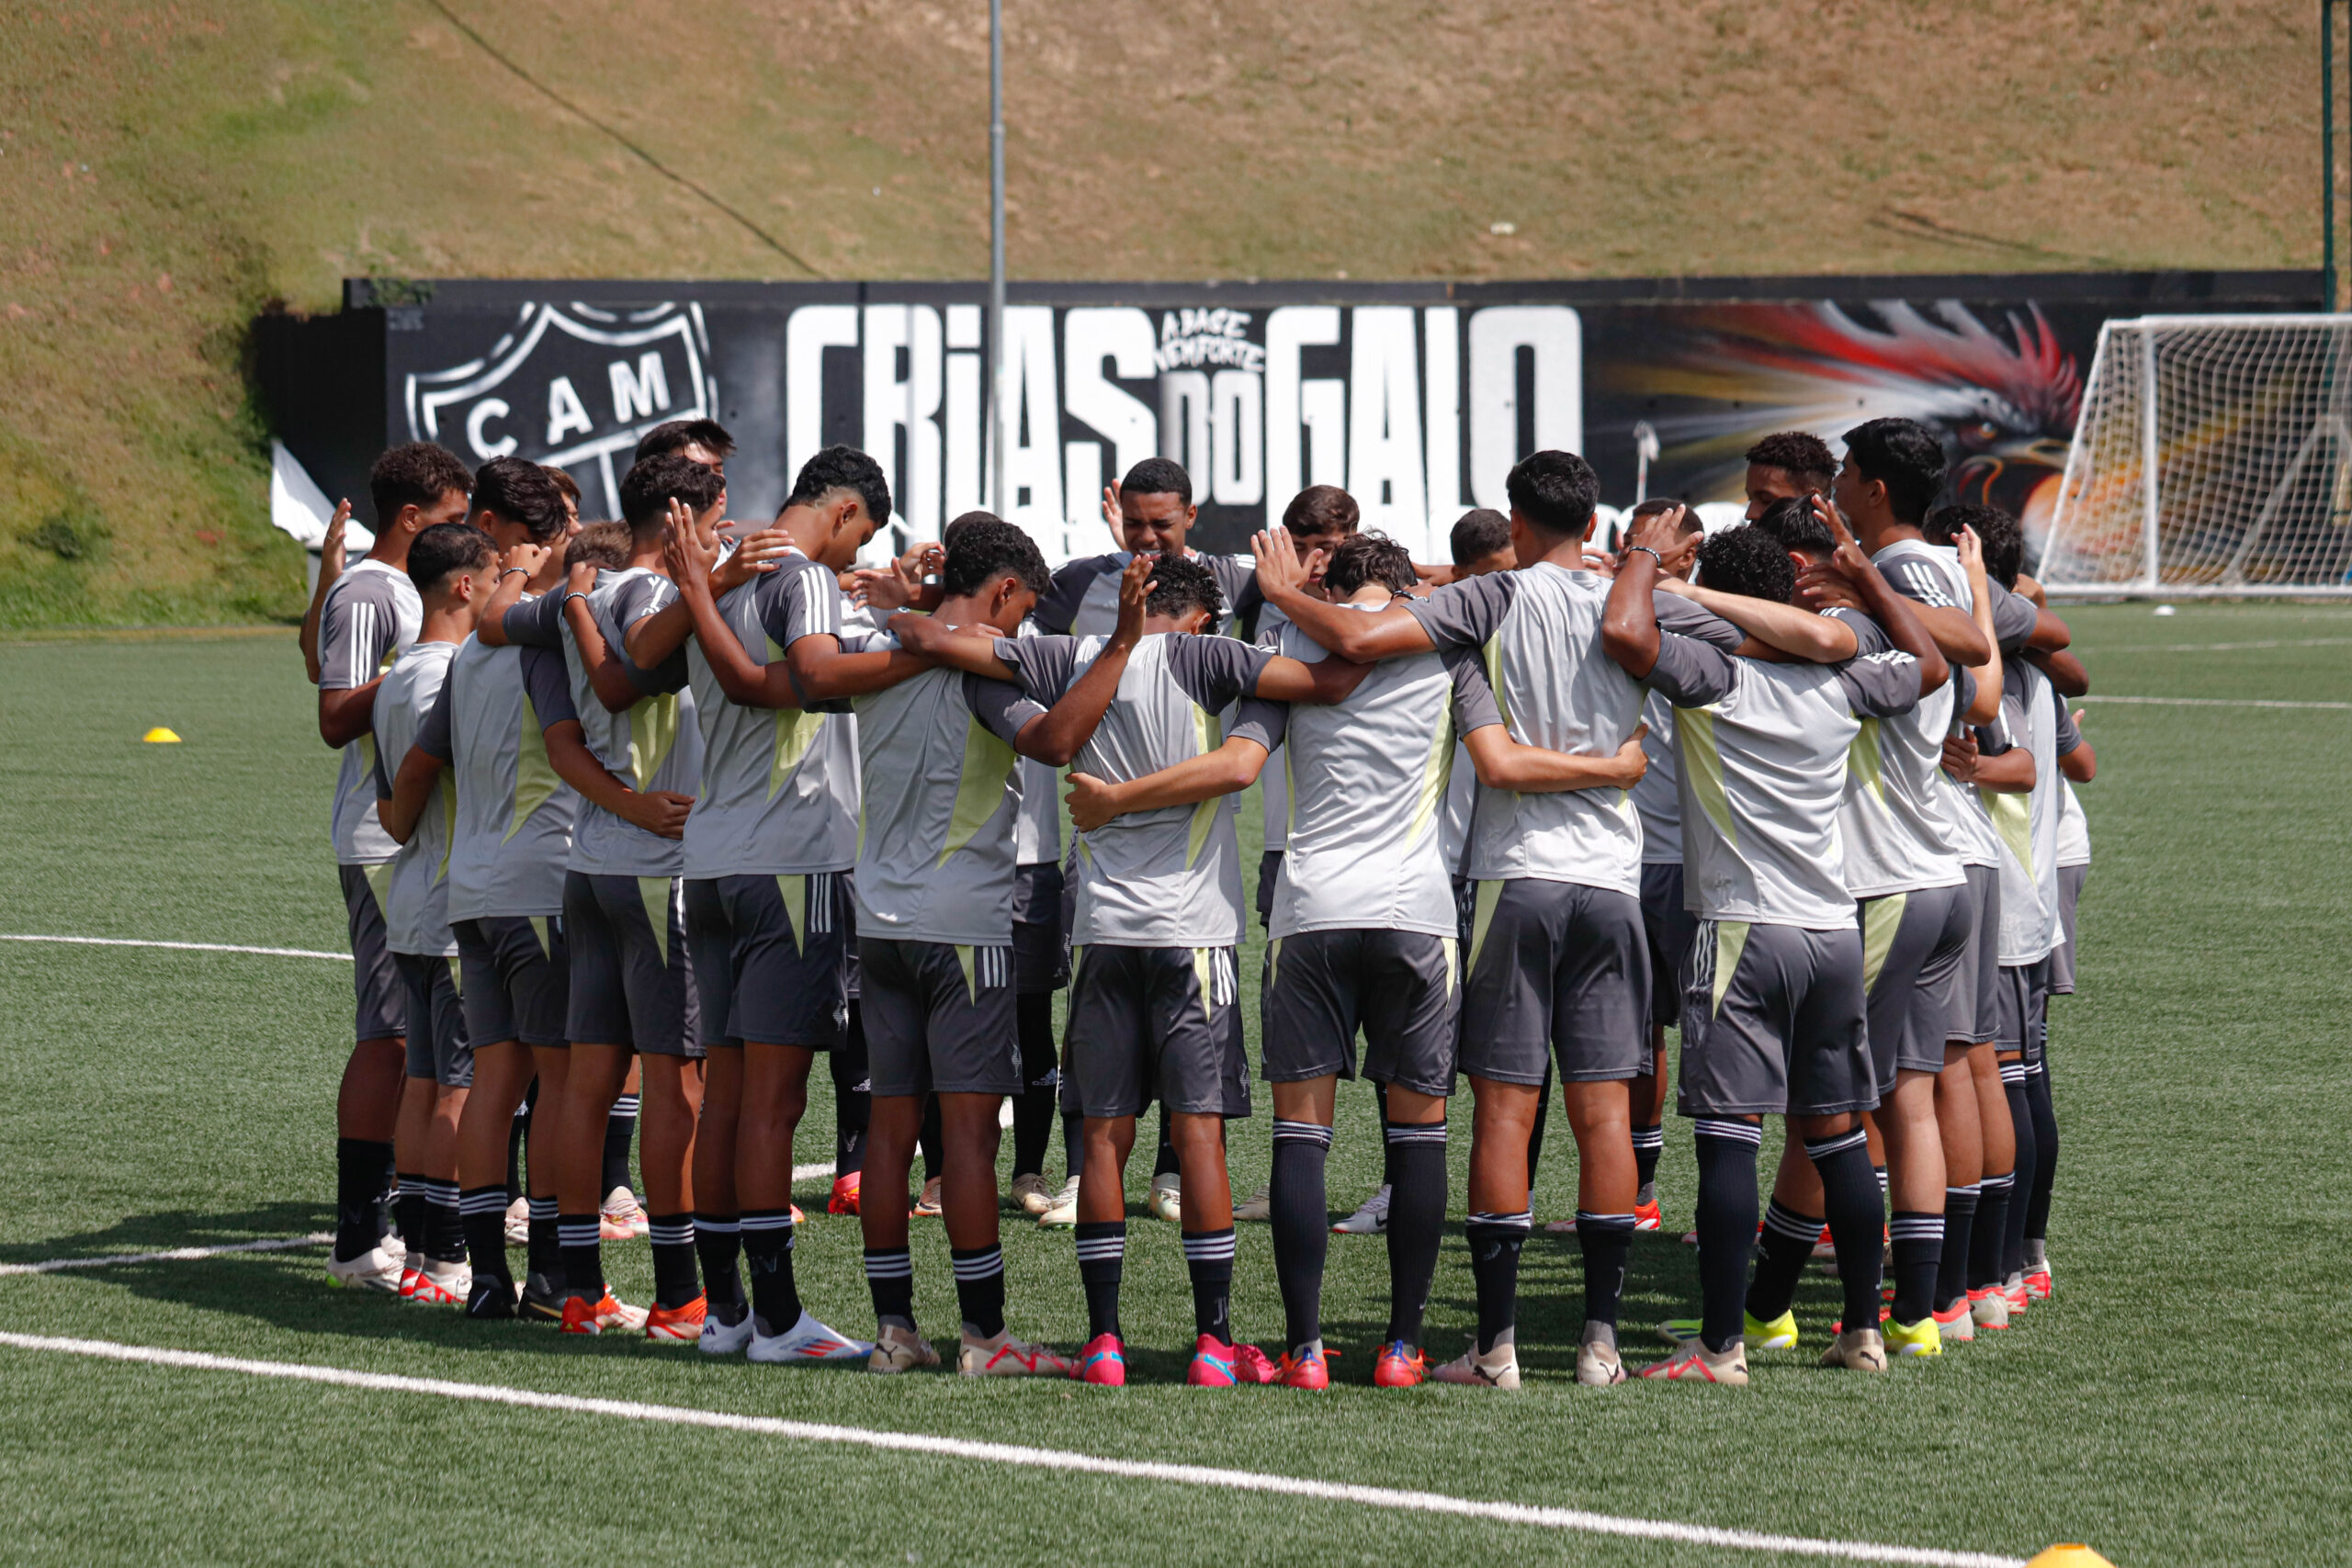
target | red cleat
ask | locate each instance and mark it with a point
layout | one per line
(844, 1198)
(1397, 1368)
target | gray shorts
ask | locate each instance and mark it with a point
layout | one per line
(1399, 987)
(939, 1019)
(1556, 968)
(382, 1011)
(1980, 967)
(2061, 960)
(1159, 1023)
(1669, 926)
(771, 958)
(1773, 1022)
(1913, 948)
(2025, 991)
(1040, 934)
(515, 978)
(438, 1050)
(631, 982)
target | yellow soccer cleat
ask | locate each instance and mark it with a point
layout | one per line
(1924, 1338)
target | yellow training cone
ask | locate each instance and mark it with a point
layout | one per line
(2070, 1557)
(159, 735)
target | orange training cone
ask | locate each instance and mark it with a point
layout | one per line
(159, 735)
(2070, 1557)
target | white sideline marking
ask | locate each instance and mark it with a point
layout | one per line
(2230, 647)
(182, 946)
(2205, 702)
(804, 1172)
(1040, 1458)
(176, 1255)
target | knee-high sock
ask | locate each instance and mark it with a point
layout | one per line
(853, 1097)
(1073, 1145)
(767, 1257)
(718, 1239)
(1960, 1224)
(1495, 1243)
(979, 1288)
(1301, 1224)
(1917, 1240)
(1726, 1151)
(582, 1254)
(1990, 1231)
(1101, 1259)
(415, 1208)
(546, 1257)
(675, 1279)
(1416, 1179)
(2045, 1158)
(931, 1140)
(1605, 1240)
(1649, 1143)
(1208, 1259)
(1033, 1109)
(358, 1195)
(517, 1129)
(1856, 1219)
(1165, 1163)
(891, 1277)
(1781, 1252)
(481, 1212)
(2013, 1079)
(620, 1126)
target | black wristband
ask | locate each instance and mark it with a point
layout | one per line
(1644, 549)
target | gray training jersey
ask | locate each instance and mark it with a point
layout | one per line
(779, 785)
(370, 616)
(1891, 823)
(514, 826)
(1658, 796)
(1039, 835)
(1367, 781)
(936, 833)
(2026, 825)
(417, 904)
(1764, 753)
(654, 744)
(1170, 877)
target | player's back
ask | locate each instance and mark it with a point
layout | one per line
(655, 743)
(514, 820)
(936, 822)
(417, 904)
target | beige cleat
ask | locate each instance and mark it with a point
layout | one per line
(1598, 1365)
(1062, 1212)
(1989, 1307)
(898, 1349)
(1498, 1367)
(1258, 1209)
(373, 1269)
(1695, 1363)
(1857, 1350)
(1005, 1356)
(1031, 1194)
(1168, 1197)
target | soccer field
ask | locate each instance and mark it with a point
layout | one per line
(2182, 1399)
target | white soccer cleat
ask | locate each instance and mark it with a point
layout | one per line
(371, 1270)
(518, 1223)
(1258, 1209)
(724, 1339)
(1372, 1219)
(1498, 1367)
(807, 1340)
(443, 1284)
(1062, 1214)
(1031, 1194)
(1168, 1197)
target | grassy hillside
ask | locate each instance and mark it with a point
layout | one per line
(168, 170)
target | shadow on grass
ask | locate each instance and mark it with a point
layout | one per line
(178, 1228)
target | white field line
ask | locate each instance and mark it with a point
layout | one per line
(804, 1172)
(1038, 1459)
(2228, 647)
(181, 946)
(176, 1255)
(2205, 702)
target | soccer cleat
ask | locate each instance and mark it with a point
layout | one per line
(621, 1219)
(606, 1316)
(1005, 1356)
(898, 1349)
(1648, 1217)
(1857, 1350)
(490, 1297)
(1212, 1363)
(1168, 1197)
(1064, 1213)
(1498, 1367)
(1695, 1363)
(927, 1206)
(806, 1341)
(844, 1197)
(722, 1339)
(1990, 1307)
(1258, 1209)
(1781, 1333)
(1371, 1219)
(518, 1223)
(410, 1275)
(1309, 1370)
(542, 1299)
(1103, 1362)
(442, 1284)
(797, 1217)
(2038, 1281)
(1956, 1323)
(678, 1323)
(1923, 1337)
(1399, 1366)
(371, 1270)
(1031, 1195)
(1599, 1365)
(2019, 1297)
(1252, 1365)
(1562, 1227)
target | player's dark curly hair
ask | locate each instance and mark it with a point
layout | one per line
(1478, 533)
(1320, 511)
(1159, 476)
(1998, 530)
(1179, 584)
(1800, 454)
(1555, 491)
(843, 467)
(677, 434)
(1904, 456)
(648, 487)
(1369, 557)
(523, 492)
(983, 548)
(1747, 560)
(1792, 521)
(446, 547)
(417, 474)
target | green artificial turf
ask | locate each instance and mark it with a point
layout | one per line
(2181, 1399)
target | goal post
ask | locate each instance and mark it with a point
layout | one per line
(2212, 459)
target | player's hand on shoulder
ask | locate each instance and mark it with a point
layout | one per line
(1092, 802)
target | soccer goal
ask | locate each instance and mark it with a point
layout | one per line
(2213, 458)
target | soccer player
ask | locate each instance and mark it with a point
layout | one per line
(450, 566)
(367, 617)
(937, 756)
(1774, 998)
(703, 441)
(1787, 464)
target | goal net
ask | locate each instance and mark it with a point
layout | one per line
(2213, 458)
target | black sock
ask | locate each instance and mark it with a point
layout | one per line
(1495, 1241)
(717, 1236)
(1034, 1107)
(1917, 1240)
(1073, 1143)
(1951, 1268)
(1101, 1258)
(1649, 1143)
(515, 1129)
(1727, 1224)
(1856, 1220)
(891, 1277)
(387, 1181)
(545, 1256)
(1417, 1199)
(1781, 1253)
(1605, 1240)
(1301, 1224)
(620, 1126)
(1165, 1163)
(1209, 1257)
(1535, 1133)
(417, 1216)
(767, 1257)
(445, 1242)
(1991, 1230)
(1387, 1150)
(980, 1288)
(930, 1139)
(584, 1256)
(358, 1195)
(481, 1213)
(2029, 1167)
(2045, 1161)
(672, 1236)
(853, 1097)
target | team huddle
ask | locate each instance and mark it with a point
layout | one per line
(638, 819)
